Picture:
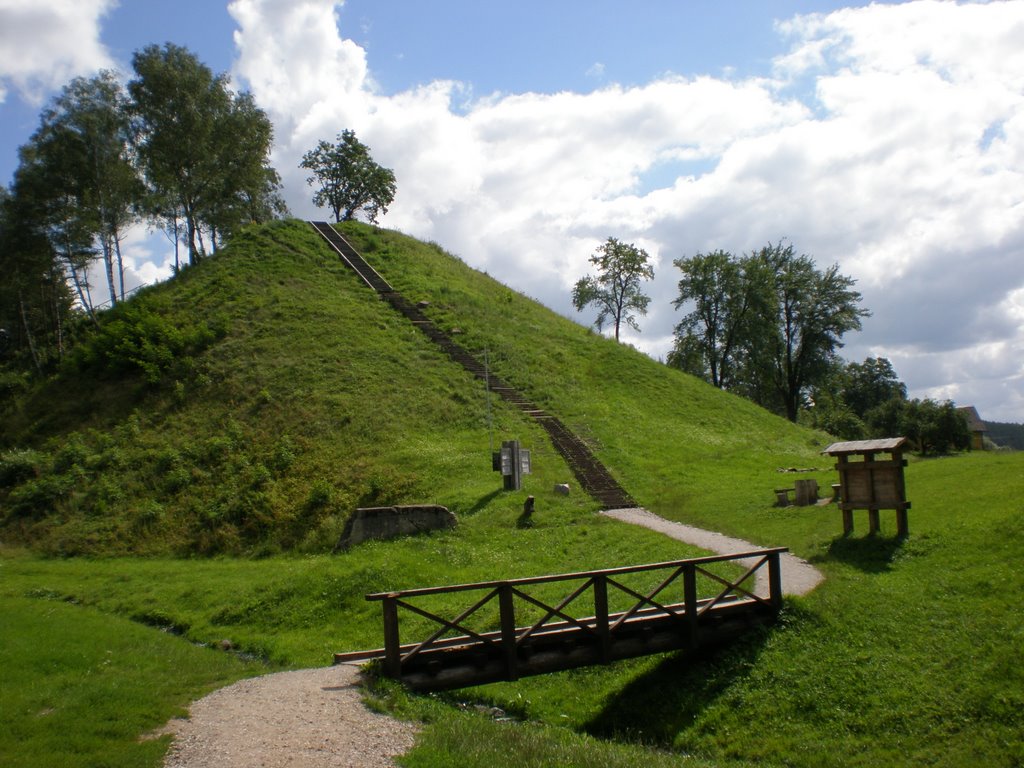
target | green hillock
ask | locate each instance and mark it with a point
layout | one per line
(249, 404)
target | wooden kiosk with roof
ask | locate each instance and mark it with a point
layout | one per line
(871, 483)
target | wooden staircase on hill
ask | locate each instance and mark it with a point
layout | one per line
(592, 475)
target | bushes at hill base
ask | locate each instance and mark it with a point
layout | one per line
(108, 493)
(931, 428)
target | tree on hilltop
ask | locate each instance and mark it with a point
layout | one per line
(203, 150)
(35, 299)
(615, 290)
(76, 184)
(46, 204)
(349, 180)
(85, 140)
(178, 148)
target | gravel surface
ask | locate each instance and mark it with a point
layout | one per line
(315, 718)
(798, 576)
(311, 718)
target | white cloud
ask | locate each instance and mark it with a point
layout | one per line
(305, 74)
(149, 257)
(890, 141)
(45, 43)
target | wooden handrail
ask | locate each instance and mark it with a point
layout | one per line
(575, 575)
(556, 611)
(731, 586)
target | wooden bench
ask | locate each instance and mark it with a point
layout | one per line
(806, 494)
(782, 496)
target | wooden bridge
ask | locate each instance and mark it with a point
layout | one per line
(504, 630)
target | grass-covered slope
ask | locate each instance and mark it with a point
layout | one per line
(663, 433)
(249, 404)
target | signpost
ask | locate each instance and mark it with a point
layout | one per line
(871, 483)
(513, 462)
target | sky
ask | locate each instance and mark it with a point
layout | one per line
(886, 138)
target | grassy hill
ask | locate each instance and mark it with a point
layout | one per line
(247, 406)
(251, 403)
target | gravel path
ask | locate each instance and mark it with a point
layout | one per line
(312, 718)
(315, 718)
(798, 576)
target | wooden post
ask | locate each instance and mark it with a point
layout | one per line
(601, 616)
(508, 631)
(513, 480)
(690, 601)
(775, 580)
(844, 482)
(873, 523)
(844, 493)
(392, 643)
(847, 521)
(869, 460)
(902, 527)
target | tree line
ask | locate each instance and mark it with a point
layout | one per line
(175, 148)
(768, 325)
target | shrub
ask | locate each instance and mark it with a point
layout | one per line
(13, 383)
(283, 455)
(73, 453)
(177, 478)
(39, 497)
(259, 476)
(19, 465)
(214, 450)
(149, 515)
(319, 494)
(136, 339)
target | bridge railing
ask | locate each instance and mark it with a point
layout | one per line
(504, 617)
